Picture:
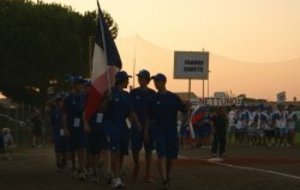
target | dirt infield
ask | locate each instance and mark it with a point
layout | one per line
(35, 169)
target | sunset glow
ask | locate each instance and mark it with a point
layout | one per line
(254, 45)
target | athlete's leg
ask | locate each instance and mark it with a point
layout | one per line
(136, 162)
(148, 163)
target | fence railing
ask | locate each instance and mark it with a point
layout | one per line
(16, 119)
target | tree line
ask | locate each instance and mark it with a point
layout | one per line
(42, 42)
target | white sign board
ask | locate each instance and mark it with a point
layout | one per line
(194, 102)
(281, 97)
(222, 101)
(191, 65)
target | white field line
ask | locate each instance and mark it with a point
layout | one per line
(259, 170)
(219, 162)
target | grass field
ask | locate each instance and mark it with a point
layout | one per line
(297, 138)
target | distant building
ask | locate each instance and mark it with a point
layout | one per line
(185, 96)
(221, 99)
(242, 96)
(221, 95)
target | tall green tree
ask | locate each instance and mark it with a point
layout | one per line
(40, 42)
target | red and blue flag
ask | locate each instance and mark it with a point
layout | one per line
(106, 62)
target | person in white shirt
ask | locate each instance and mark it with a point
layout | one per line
(252, 127)
(269, 127)
(262, 124)
(232, 122)
(280, 118)
(242, 125)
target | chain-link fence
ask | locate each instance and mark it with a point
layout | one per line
(16, 118)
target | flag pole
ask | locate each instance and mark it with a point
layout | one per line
(104, 45)
(90, 55)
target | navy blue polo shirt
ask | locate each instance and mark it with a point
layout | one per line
(117, 111)
(244, 116)
(140, 97)
(163, 108)
(73, 108)
(56, 120)
(260, 116)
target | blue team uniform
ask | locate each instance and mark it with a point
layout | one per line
(140, 98)
(59, 139)
(205, 126)
(282, 130)
(73, 108)
(197, 120)
(262, 117)
(97, 139)
(114, 120)
(163, 109)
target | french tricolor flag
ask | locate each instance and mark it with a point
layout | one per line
(106, 62)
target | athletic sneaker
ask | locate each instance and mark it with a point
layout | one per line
(122, 185)
(114, 183)
(117, 183)
(82, 175)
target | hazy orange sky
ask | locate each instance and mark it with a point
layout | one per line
(263, 35)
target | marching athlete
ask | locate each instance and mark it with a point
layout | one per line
(119, 110)
(162, 111)
(140, 97)
(73, 126)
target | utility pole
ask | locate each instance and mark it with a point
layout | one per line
(91, 40)
(134, 62)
